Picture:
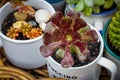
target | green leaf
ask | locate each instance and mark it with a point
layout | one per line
(89, 3)
(108, 4)
(87, 11)
(117, 1)
(83, 30)
(79, 6)
(96, 9)
(60, 53)
(71, 1)
(99, 2)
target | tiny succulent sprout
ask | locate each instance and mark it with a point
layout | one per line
(68, 35)
(42, 15)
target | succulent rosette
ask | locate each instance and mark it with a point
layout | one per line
(67, 35)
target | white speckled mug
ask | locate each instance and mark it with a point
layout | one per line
(23, 53)
(90, 71)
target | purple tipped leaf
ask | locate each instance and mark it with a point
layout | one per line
(58, 35)
(81, 45)
(90, 35)
(47, 38)
(50, 28)
(82, 58)
(67, 60)
(78, 23)
(56, 18)
(47, 50)
(73, 13)
(81, 50)
(66, 22)
(76, 37)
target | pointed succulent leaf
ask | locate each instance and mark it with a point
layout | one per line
(87, 11)
(81, 50)
(89, 3)
(66, 22)
(78, 23)
(96, 9)
(47, 38)
(99, 2)
(80, 6)
(108, 4)
(60, 53)
(56, 18)
(67, 60)
(83, 58)
(90, 35)
(81, 45)
(76, 37)
(47, 50)
(50, 28)
(73, 14)
(83, 29)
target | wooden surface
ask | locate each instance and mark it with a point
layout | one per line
(42, 73)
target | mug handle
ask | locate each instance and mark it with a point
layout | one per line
(108, 65)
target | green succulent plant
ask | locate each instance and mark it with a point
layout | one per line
(114, 31)
(92, 6)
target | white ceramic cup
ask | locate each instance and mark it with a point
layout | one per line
(97, 20)
(90, 71)
(23, 53)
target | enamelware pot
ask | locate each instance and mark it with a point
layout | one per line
(23, 53)
(90, 71)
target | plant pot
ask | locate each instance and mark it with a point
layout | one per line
(109, 53)
(23, 53)
(97, 20)
(90, 71)
(59, 5)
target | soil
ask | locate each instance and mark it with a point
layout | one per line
(10, 19)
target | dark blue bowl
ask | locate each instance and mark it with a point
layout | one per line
(54, 1)
(106, 12)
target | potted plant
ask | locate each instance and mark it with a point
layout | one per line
(111, 40)
(21, 31)
(73, 47)
(98, 10)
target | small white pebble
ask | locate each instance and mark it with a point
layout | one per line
(42, 25)
(42, 15)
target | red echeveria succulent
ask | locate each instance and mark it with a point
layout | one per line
(64, 33)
